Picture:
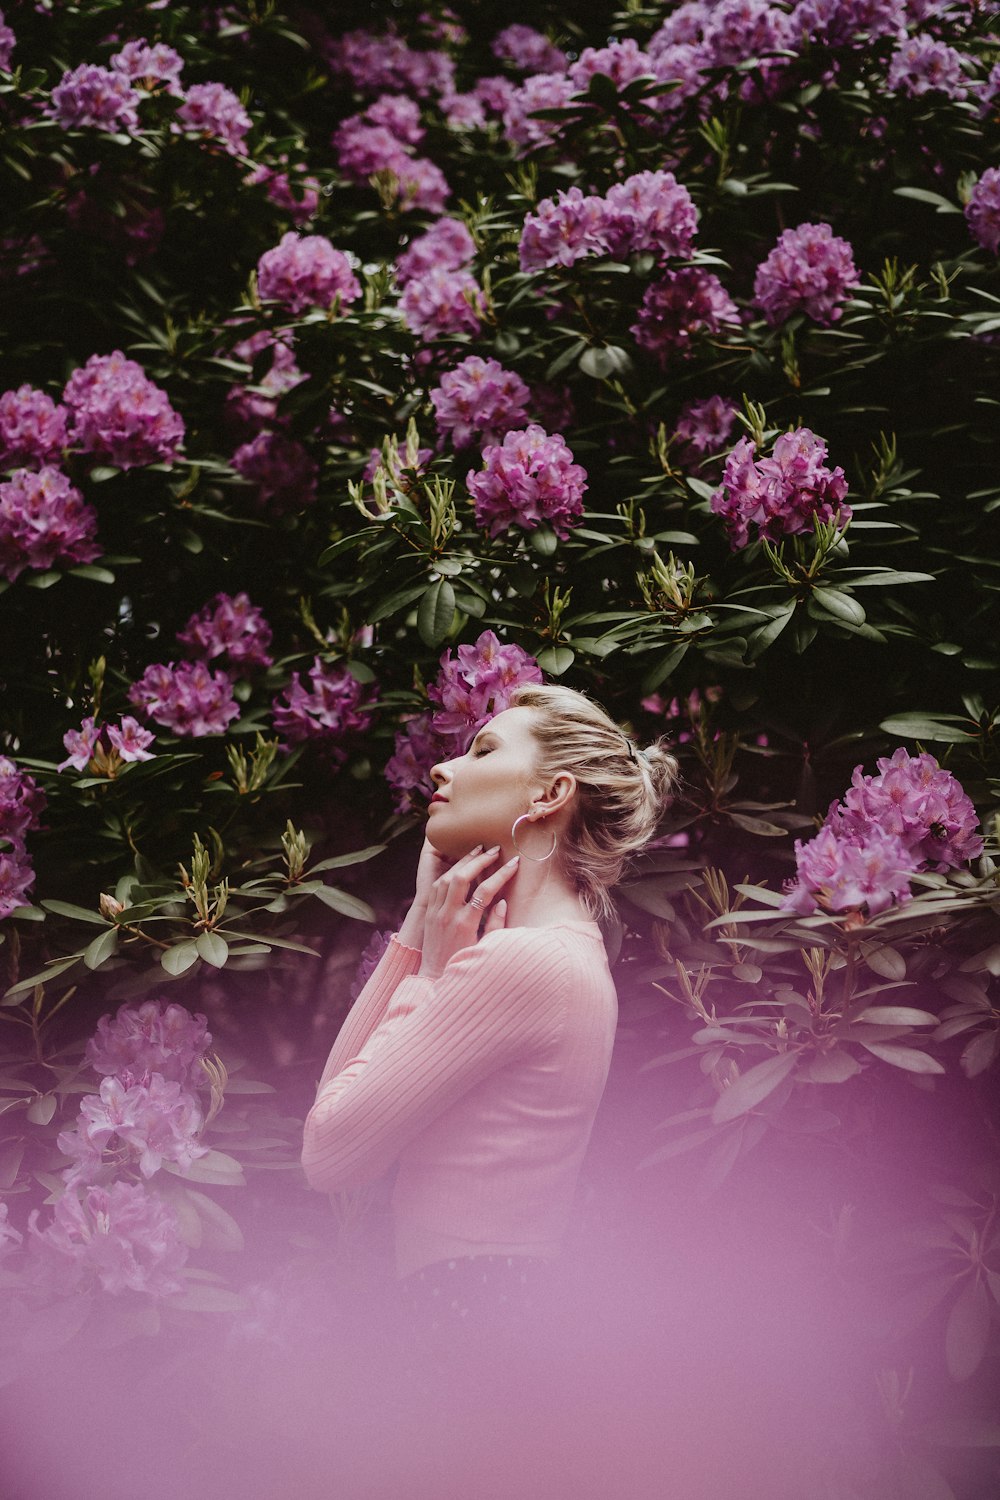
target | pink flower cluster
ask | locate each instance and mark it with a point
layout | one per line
(124, 1236)
(650, 211)
(21, 803)
(810, 270)
(381, 139)
(147, 1119)
(921, 65)
(543, 91)
(231, 627)
(214, 113)
(8, 41)
(478, 401)
(187, 698)
(982, 212)
(304, 271)
(849, 23)
(150, 1038)
(782, 495)
(32, 427)
(440, 303)
(446, 246)
(149, 66)
(623, 62)
(297, 194)
(911, 816)
(119, 413)
(252, 410)
(681, 307)
(284, 473)
(119, 744)
(44, 520)
(97, 97)
(528, 50)
(386, 64)
(472, 685)
(703, 431)
(528, 479)
(336, 705)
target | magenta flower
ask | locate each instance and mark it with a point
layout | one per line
(446, 246)
(839, 875)
(528, 50)
(151, 1038)
(478, 401)
(187, 698)
(913, 799)
(682, 26)
(400, 116)
(44, 520)
(703, 431)
(810, 270)
(304, 271)
(81, 744)
(362, 149)
(16, 879)
(650, 211)
(920, 65)
(8, 41)
(230, 627)
(475, 683)
(149, 66)
(284, 473)
(683, 306)
(215, 114)
(849, 23)
(442, 302)
(623, 62)
(782, 495)
(563, 230)
(153, 1120)
(685, 65)
(21, 803)
(116, 744)
(32, 427)
(739, 29)
(130, 741)
(528, 479)
(94, 96)
(543, 91)
(119, 413)
(408, 771)
(296, 194)
(385, 63)
(422, 185)
(337, 705)
(123, 1236)
(982, 212)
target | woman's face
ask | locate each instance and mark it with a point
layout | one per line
(480, 793)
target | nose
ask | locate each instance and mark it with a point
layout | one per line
(440, 773)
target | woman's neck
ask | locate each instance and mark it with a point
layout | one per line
(540, 896)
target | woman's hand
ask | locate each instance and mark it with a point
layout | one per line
(459, 899)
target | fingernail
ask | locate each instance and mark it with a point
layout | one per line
(514, 860)
(493, 849)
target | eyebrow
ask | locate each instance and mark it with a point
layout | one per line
(484, 734)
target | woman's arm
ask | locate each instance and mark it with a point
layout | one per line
(397, 962)
(495, 1001)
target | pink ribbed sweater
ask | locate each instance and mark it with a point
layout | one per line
(483, 1084)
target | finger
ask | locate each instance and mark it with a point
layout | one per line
(496, 917)
(488, 888)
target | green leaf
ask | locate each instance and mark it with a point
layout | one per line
(761, 639)
(907, 1058)
(920, 725)
(601, 364)
(96, 575)
(752, 1087)
(887, 962)
(178, 959)
(41, 1110)
(101, 949)
(923, 195)
(356, 857)
(832, 1067)
(215, 1167)
(838, 605)
(347, 905)
(212, 948)
(436, 612)
(220, 1229)
(556, 659)
(24, 985)
(896, 1015)
(78, 913)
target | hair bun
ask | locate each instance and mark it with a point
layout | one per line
(663, 772)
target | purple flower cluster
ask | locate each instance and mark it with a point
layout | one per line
(781, 495)
(446, 246)
(304, 271)
(337, 705)
(296, 195)
(32, 427)
(921, 65)
(123, 1235)
(252, 410)
(623, 62)
(150, 1038)
(8, 41)
(150, 1118)
(479, 401)
(440, 302)
(387, 64)
(119, 413)
(527, 50)
(214, 113)
(810, 270)
(284, 473)
(110, 745)
(543, 91)
(93, 96)
(683, 306)
(703, 431)
(982, 212)
(911, 816)
(472, 685)
(650, 211)
(44, 520)
(231, 627)
(187, 698)
(528, 479)
(849, 23)
(148, 66)
(21, 802)
(381, 139)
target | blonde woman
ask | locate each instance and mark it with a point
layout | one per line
(477, 1053)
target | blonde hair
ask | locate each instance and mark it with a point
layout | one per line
(622, 791)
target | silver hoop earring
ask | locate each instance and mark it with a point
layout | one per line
(536, 859)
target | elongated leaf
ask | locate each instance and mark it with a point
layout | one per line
(980, 1053)
(942, 728)
(886, 961)
(840, 606)
(215, 1167)
(436, 612)
(678, 1147)
(23, 986)
(896, 1015)
(346, 904)
(102, 948)
(356, 857)
(832, 1067)
(178, 960)
(78, 913)
(220, 1229)
(212, 948)
(752, 1087)
(907, 1058)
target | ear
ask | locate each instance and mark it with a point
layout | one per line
(557, 795)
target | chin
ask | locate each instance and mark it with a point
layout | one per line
(451, 845)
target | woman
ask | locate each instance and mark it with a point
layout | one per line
(477, 1053)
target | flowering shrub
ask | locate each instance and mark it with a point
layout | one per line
(783, 495)
(810, 270)
(186, 698)
(120, 414)
(528, 478)
(44, 519)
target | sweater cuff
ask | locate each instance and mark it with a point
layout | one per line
(404, 951)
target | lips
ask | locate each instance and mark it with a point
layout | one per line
(437, 797)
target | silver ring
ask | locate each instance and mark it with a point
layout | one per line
(475, 901)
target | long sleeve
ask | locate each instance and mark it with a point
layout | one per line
(396, 963)
(496, 1001)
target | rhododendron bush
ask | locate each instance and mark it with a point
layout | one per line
(361, 364)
